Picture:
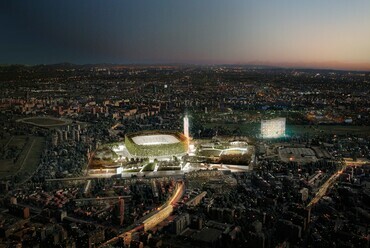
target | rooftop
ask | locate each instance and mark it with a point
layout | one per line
(155, 139)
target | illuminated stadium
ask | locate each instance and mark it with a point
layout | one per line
(156, 144)
(155, 139)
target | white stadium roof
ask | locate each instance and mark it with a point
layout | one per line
(155, 139)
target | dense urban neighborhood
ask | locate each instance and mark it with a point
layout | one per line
(183, 156)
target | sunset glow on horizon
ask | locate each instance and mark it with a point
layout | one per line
(288, 33)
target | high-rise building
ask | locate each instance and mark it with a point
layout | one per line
(121, 205)
(54, 139)
(273, 128)
(65, 135)
(60, 135)
(77, 135)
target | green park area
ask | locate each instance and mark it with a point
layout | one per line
(20, 156)
(329, 129)
(253, 129)
(210, 152)
(149, 167)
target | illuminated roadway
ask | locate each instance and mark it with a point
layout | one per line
(323, 189)
(329, 183)
(180, 189)
(177, 195)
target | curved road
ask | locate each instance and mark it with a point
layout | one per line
(180, 189)
(329, 183)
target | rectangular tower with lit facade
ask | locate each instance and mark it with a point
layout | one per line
(273, 128)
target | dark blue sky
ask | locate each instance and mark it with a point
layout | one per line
(318, 33)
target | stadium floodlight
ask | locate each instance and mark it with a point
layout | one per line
(186, 126)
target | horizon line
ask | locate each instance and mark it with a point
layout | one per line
(360, 67)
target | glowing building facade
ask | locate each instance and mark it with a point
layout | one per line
(186, 131)
(186, 126)
(273, 128)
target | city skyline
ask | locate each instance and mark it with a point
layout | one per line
(315, 34)
(185, 123)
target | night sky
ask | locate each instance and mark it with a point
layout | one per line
(312, 33)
